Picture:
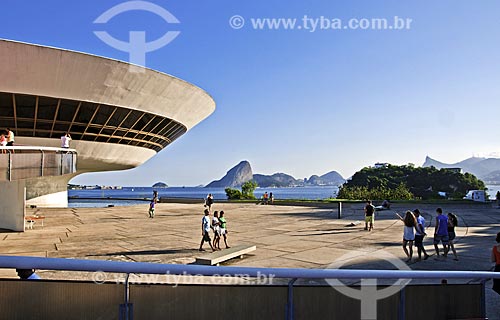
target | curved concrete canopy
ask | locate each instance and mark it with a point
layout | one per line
(50, 72)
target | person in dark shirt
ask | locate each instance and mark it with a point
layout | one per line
(369, 215)
(452, 223)
(441, 233)
(209, 201)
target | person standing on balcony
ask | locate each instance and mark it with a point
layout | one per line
(10, 138)
(3, 141)
(65, 139)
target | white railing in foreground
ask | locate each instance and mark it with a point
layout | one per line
(179, 269)
(126, 309)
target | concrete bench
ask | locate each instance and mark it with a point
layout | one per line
(30, 220)
(217, 257)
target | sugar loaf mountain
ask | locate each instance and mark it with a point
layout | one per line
(486, 169)
(242, 173)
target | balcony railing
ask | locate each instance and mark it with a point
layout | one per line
(25, 162)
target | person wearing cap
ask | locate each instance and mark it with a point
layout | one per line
(419, 235)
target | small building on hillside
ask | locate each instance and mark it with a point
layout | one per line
(379, 165)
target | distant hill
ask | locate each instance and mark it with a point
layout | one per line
(242, 173)
(485, 169)
(278, 180)
(332, 178)
(235, 177)
(160, 185)
(492, 177)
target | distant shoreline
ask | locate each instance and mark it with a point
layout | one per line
(285, 201)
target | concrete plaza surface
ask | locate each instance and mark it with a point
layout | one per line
(285, 236)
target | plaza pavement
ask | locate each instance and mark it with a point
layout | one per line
(286, 237)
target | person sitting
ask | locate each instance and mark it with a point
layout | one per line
(386, 204)
(266, 198)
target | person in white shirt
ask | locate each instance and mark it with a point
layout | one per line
(419, 235)
(216, 227)
(65, 139)
(3, 141)
(205, 231)
(410, 223)
(10, 138)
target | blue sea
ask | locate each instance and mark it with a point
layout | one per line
(138, 195)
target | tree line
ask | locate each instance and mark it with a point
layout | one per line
(408, 182)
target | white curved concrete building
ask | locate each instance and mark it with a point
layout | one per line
(118, 119)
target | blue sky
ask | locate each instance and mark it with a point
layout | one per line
(296, 101)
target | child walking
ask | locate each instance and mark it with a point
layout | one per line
(152, 209)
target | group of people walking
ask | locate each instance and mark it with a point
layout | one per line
(217, 224)
(414, 233)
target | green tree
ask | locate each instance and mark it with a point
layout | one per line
(248, 188)
(246, 192)
(406, 182)
(233, 194)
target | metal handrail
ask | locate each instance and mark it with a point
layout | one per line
(196, 270)
(66, 164)
(36, 148)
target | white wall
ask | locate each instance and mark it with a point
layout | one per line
(53, 200)
(12, 205)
